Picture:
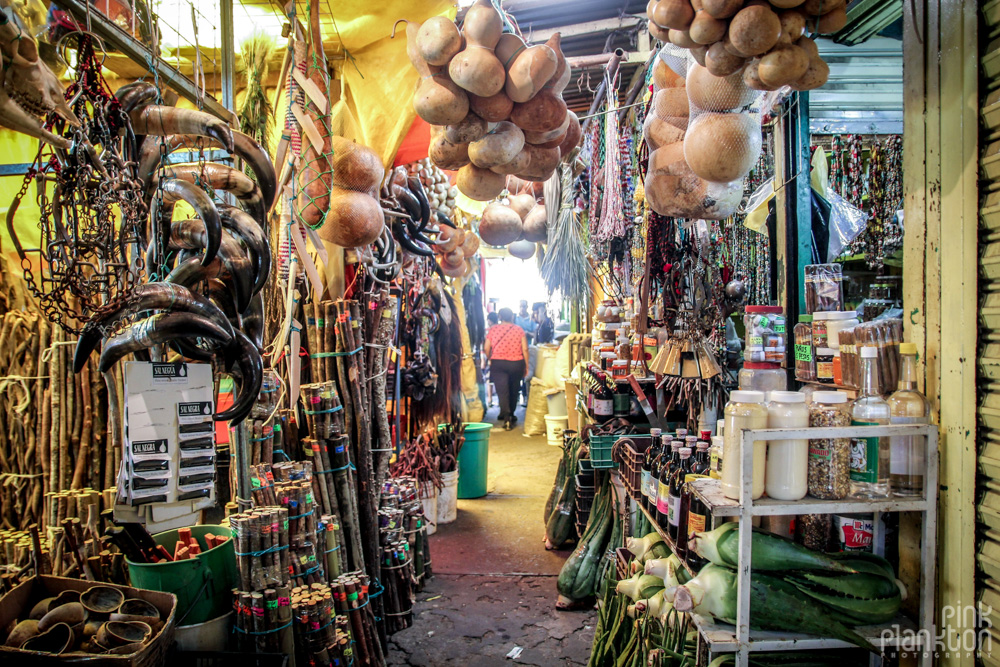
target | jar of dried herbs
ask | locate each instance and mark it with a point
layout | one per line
(829, 458)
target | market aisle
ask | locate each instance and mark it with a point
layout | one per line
(494, 587)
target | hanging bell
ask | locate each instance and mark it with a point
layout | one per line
(706, 361)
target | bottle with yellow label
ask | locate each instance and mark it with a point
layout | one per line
(696, 520)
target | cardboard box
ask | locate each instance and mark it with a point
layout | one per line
(19, 602)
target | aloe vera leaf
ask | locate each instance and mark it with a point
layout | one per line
(856, 610)
(769, 552)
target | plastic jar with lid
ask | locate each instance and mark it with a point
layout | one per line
(762, 377)
(829, 458)
(765, 334)
(745, 410)
(837, 322)
(805, 359)
(787, 473)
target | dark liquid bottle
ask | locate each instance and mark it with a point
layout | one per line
(647, 463)
(697, 522)
(677, 476)
(700, 462)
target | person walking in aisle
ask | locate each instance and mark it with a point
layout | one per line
(526, 321)
(506, 350)
(545, 331)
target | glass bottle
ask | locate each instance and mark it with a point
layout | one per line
(907, 406)
(787, 476)
(698, 520)
(663, 486)
(869, 456)
(677, 477)
(700, 463)
(744, 411)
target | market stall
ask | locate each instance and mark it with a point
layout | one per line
(246, 362)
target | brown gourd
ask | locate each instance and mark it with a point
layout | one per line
(541, 163)
(783, 65)
(528, 68)
(353, 220)
(522, 204)
(540, 138)
(545, 111)
(470, 128)
(447, 155)
(658, 133)
(657, 32)
(536, 225)
(478, 183)
(664, 76)
(815, 77)
(751, 76)
(439, 40)
(355, 166)
(673, 14)
(754, 30)
(670, 103)
(499, 225)
(561, 77)
(519, 185)
(817, 7)
(717, 93)
(828, 23)
(722, 9)
(672, 189)
(699, 53)
(706, 29)
(492, 109)
(786, 4)
(793, 24)
(518, 164)
(437, 99)
(682, 39)
(499, 146)
(722, 147)
(476, 68)
(721, 62)
(470, 245)
(572, 139)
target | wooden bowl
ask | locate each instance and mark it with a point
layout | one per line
(56, 640)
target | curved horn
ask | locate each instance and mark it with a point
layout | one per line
(175, 190)
(136, 94)
(253, 320)
(162, 121)
(245, 146)
(251, 372)
(219, 177)
(246, 228)
(146, 297)
(157, 330)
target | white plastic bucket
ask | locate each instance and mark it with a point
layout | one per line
(554, 427)
(429, 499)
(557, 403)
(447, 506)
(208, 636)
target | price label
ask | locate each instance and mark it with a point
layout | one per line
(756, 340)
(803, 353)
(779, 328)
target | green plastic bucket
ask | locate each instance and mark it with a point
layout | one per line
(473, 460)
(203, 584)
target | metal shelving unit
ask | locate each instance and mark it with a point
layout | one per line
(738, 639)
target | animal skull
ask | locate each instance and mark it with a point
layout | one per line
(29, 90)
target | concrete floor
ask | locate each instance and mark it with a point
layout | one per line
(494, 586)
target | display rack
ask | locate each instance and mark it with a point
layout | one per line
(738, 639)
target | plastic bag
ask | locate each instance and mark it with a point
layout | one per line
(824, 287)
(846, 222)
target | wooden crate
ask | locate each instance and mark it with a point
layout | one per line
(19, 602)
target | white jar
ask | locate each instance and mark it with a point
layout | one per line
(836, 322)
(745, 411)
(787, 460)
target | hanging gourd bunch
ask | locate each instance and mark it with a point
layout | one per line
(518, 221)
(764, 41)
(494, 103)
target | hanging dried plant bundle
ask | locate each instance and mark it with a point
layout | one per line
(256, 114)
(565, 266)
